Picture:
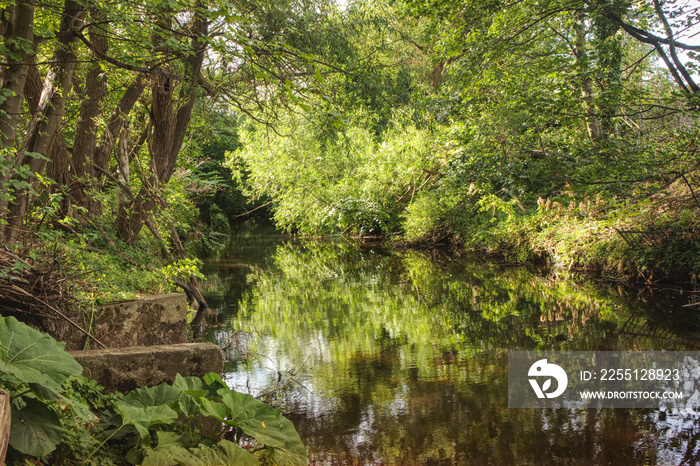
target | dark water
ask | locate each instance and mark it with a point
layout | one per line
(383, 357)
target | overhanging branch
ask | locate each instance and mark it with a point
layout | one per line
(128, 66)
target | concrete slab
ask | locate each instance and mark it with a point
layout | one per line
(153, 320)
(124, 369)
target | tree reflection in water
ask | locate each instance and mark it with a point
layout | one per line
(400, 358)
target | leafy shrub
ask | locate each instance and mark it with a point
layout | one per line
(33, 367)
(351, 180)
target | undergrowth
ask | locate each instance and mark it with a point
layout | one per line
(647, 238)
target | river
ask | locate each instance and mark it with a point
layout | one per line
(385, 357)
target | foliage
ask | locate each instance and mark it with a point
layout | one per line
(167, 425)
(177, 424)
(509, 103)
(33, 366)
(526, 140)
(347, 183)
(146, 99)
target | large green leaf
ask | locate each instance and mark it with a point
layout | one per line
(170, 455)
(34, 357)
(260, 421)
(192, 392)
(35, 429)
(188, 405)
(170, 452)
(266, 425)
(225, 453)
(144, 417)
(218, 411)
(214, 380)
(80, 409)
(160, 395)
(192, 386)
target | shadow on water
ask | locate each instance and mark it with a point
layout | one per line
(400, 358)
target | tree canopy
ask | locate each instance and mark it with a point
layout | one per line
(424, 119)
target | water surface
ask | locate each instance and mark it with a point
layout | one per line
(384, 357)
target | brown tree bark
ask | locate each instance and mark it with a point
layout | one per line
(47, 118)
(116, 123)
(131, 216)
(169, 130)
(586, 84)
(19, 35)
(84, 143)
(57, 86)
(59, 168)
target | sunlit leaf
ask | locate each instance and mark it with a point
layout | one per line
(34, 357)
(266, 425)
(144, 417)
(162, 394)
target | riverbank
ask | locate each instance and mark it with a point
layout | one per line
(639, 242)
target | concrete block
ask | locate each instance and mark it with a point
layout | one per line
(124, 369)
(154, 320)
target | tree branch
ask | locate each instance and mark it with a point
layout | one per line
(156, 70)
(672, 48)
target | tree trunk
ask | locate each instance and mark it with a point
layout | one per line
(19, 35)
(59, 168)
(123, 165)
(57, 86)
(169, 130)
(131, 217)
(608, 63)
(586, 83)
(592, 125)
(47, 118)
(116, 123)
(84, 143)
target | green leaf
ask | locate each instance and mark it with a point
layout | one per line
(214, 379)
(225, 453)
(267, 426)
(168, 439)
(144, 417)
(218, 411)
(260, 421)
(162, 394)
(80, 409)
(38, 156)
(188, 405)
(192, 386)
(170, 455)
(319, 77)
(35, 429)
(170, 452)
(34, 357)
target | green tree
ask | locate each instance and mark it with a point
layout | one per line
(350, 183)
